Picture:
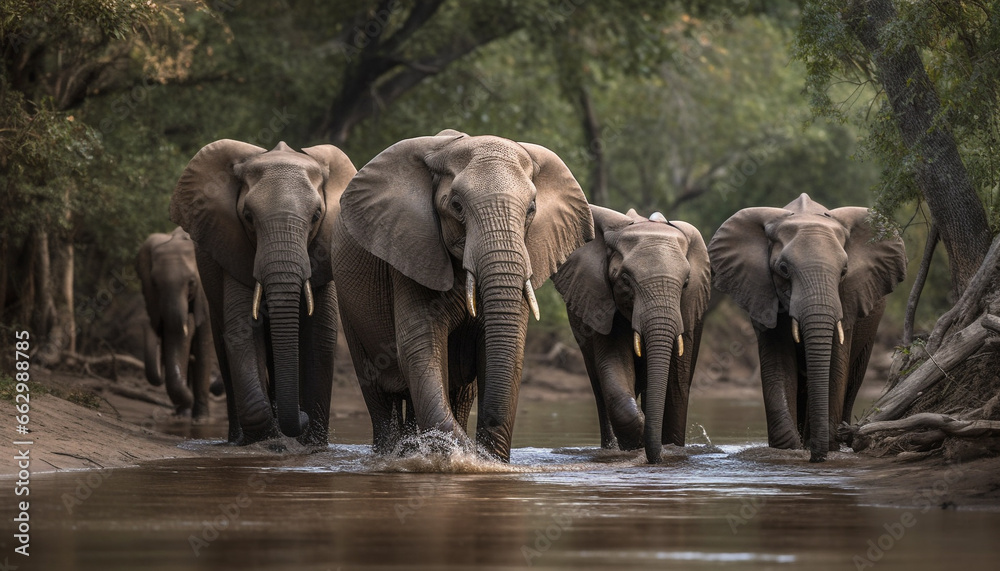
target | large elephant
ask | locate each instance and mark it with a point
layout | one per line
(179, 326)
(440, 243)
(635, 296)
(814, 283)
(262, 222)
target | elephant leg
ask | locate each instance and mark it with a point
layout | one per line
(201, 370)
(779, 380)
(679, 390)
(862, 344)
(373, 374)
(616, 374)
(318, 340)
(422, 342)
(212, 284)
(252, 406)
(608, 439)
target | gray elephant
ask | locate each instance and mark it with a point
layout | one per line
(635, 296)
(179, 326)
(814, 282)
(440, 243)
(262, 222)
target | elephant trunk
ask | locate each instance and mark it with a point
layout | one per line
(151, 358)
(505, 320)
(818, 324)
(658, 338)
(176, 351)
(283, 263)
(818, 334)
(283, 300)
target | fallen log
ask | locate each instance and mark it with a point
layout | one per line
(960, 347)
(919, 432)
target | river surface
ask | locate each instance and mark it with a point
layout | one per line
(562, 502)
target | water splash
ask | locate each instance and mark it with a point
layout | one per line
(441, 452)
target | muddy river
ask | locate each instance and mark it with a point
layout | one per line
(724, 501)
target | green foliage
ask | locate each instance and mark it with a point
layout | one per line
(958, 42)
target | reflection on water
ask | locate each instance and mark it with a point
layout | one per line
(561, 503)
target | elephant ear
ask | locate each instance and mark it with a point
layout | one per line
(694, 299)
(204, 204)
(388, 207)
(563, 221)
(144, 268)
(583, 277)
(874, 266)
(338, 172)
(739, 252)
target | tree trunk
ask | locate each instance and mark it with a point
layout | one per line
(938, 168)
(63, 332)
(39, 312)
(918, 285)
(595, 150)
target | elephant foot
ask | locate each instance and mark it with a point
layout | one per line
(253, 436)
(816, 457)
(182, 412)
(315, 440)
(785, 443)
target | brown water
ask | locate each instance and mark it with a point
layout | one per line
(561, 503)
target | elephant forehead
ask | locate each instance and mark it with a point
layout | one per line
(492, 149)
(281, 162)
(816, 227)
(652, 235)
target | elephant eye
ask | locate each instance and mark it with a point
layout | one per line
(456, 206)
(843, 272)
(531, 208)
(686, 282)
(783, 270)
(248, 216)
(317, 214)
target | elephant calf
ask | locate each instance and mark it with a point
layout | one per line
(179, 326)
(635, 296)
(814, 282)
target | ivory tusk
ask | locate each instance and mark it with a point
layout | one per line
(840, 332)
(680, 345)
(795, 331)
(186, 330)
(309, 299)
(470, 293)
(530, 293)
(255, 308)
(637, 344)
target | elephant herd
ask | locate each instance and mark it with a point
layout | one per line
(431, 253)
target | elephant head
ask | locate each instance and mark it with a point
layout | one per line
(824, 268)
(266, 217)
(656, 275)
(176, 307)
(502, 215)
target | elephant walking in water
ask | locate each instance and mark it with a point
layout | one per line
(262, 222)
(440, 245)
(635, 296)
(814, 282)
(179, 326)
